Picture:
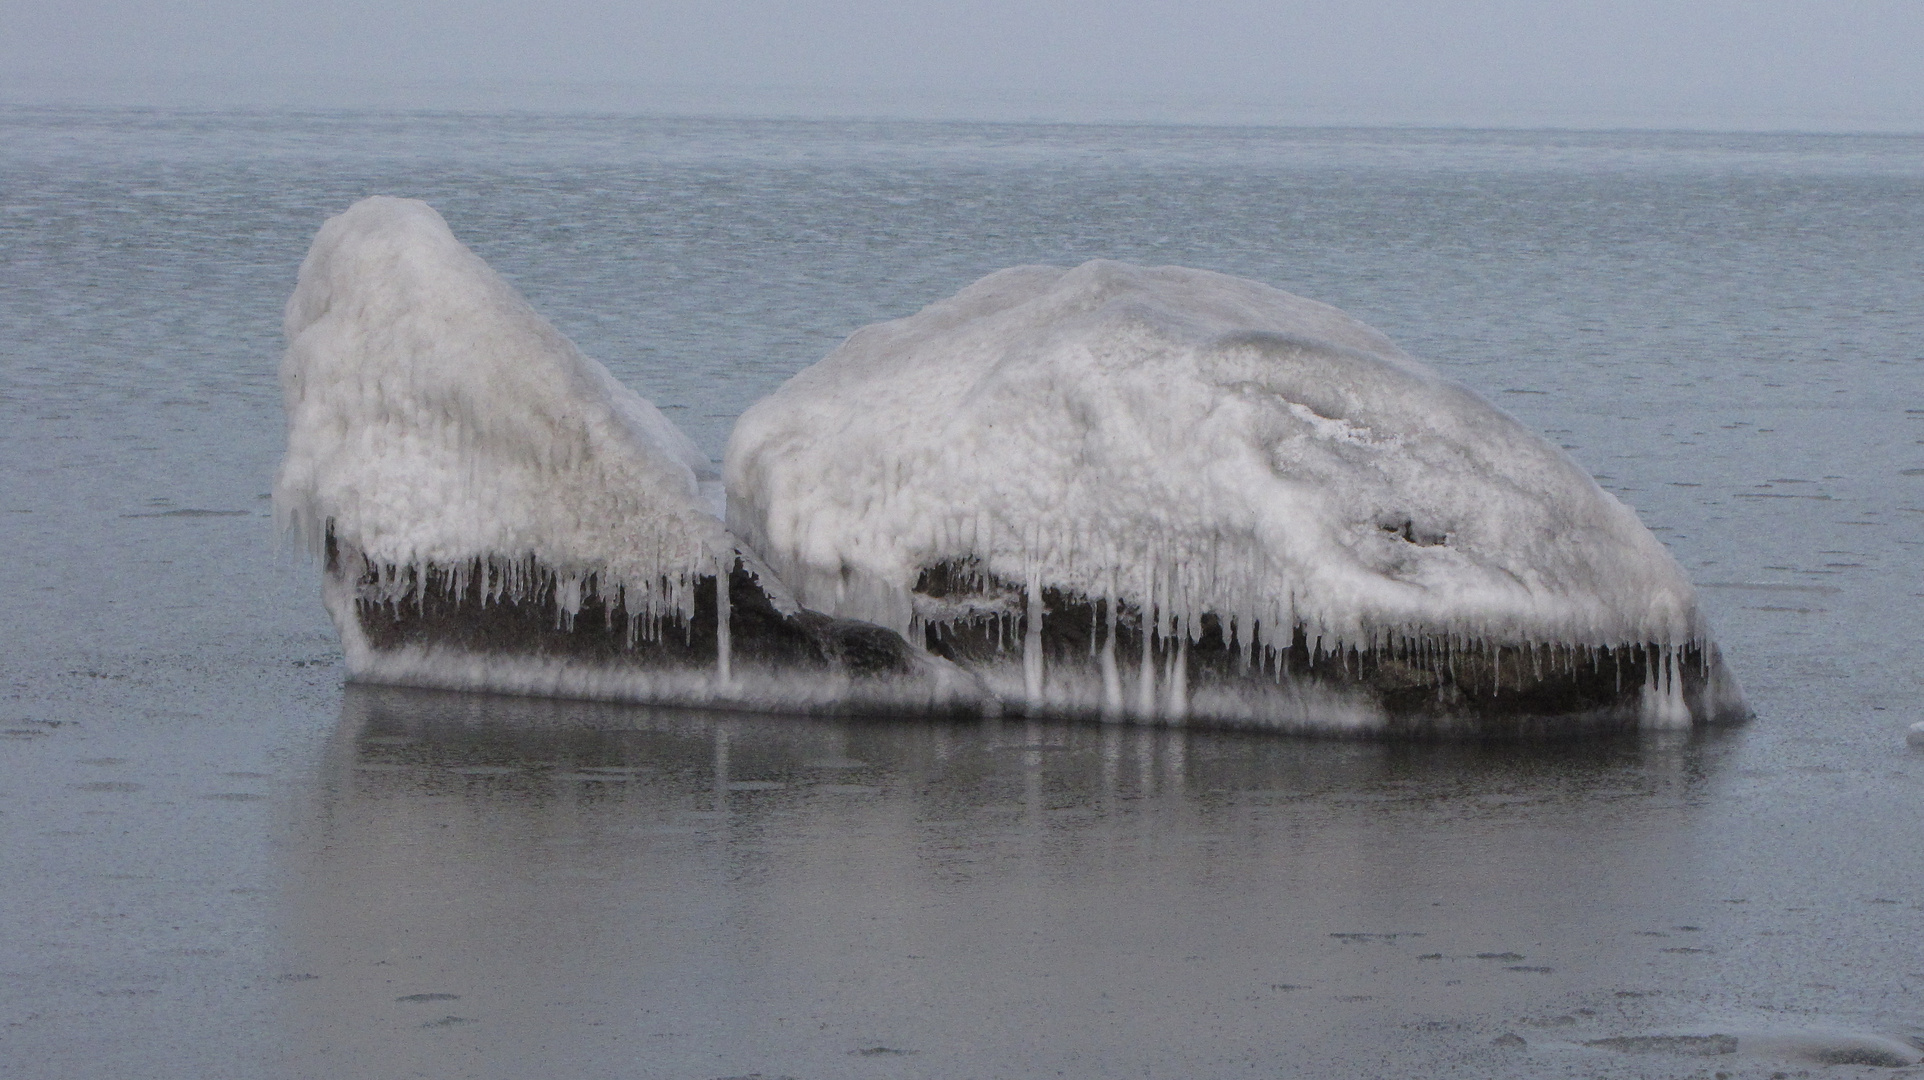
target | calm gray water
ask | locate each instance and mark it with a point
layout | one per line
(219, 862)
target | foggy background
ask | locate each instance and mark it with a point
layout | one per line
(1719, 65)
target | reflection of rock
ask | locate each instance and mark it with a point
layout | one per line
(576, 870)
(953, 763)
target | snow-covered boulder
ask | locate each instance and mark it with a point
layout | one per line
(495, 511)
(1176, 495)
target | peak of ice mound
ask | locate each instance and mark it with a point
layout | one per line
(434, 419)
(1185, 443)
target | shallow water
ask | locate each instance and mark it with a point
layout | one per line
(222, 863)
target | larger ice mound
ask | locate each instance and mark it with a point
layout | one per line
(1174, 494)
(497, 512)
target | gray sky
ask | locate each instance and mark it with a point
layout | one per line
(1854, 65)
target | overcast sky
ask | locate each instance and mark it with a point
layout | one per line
(1852, 65)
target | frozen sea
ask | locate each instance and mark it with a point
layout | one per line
(221, 862)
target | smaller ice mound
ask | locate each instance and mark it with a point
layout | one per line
(495, 511)
(1176, 495)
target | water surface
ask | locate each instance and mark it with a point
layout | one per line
(223, 863)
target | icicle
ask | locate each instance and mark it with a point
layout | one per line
(1111, 678)
(1664, 707)
(1146, 674)
(1032, 643)
(1178, 709)
(723, 615)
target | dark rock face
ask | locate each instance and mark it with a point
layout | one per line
(1417, 689)
(434, 611)
(1422, 688)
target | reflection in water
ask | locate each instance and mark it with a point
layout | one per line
(699, 894)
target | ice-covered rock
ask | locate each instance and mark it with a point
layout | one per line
(495, 511)
(1176, 495)
(1162, 494)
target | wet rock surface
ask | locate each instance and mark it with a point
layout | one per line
(437, 613)
(1423, 688)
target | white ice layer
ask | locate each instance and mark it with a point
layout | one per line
(1189, 443)
(434, 418)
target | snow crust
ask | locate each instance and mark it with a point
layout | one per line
(1185, 442)
(433, 418)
